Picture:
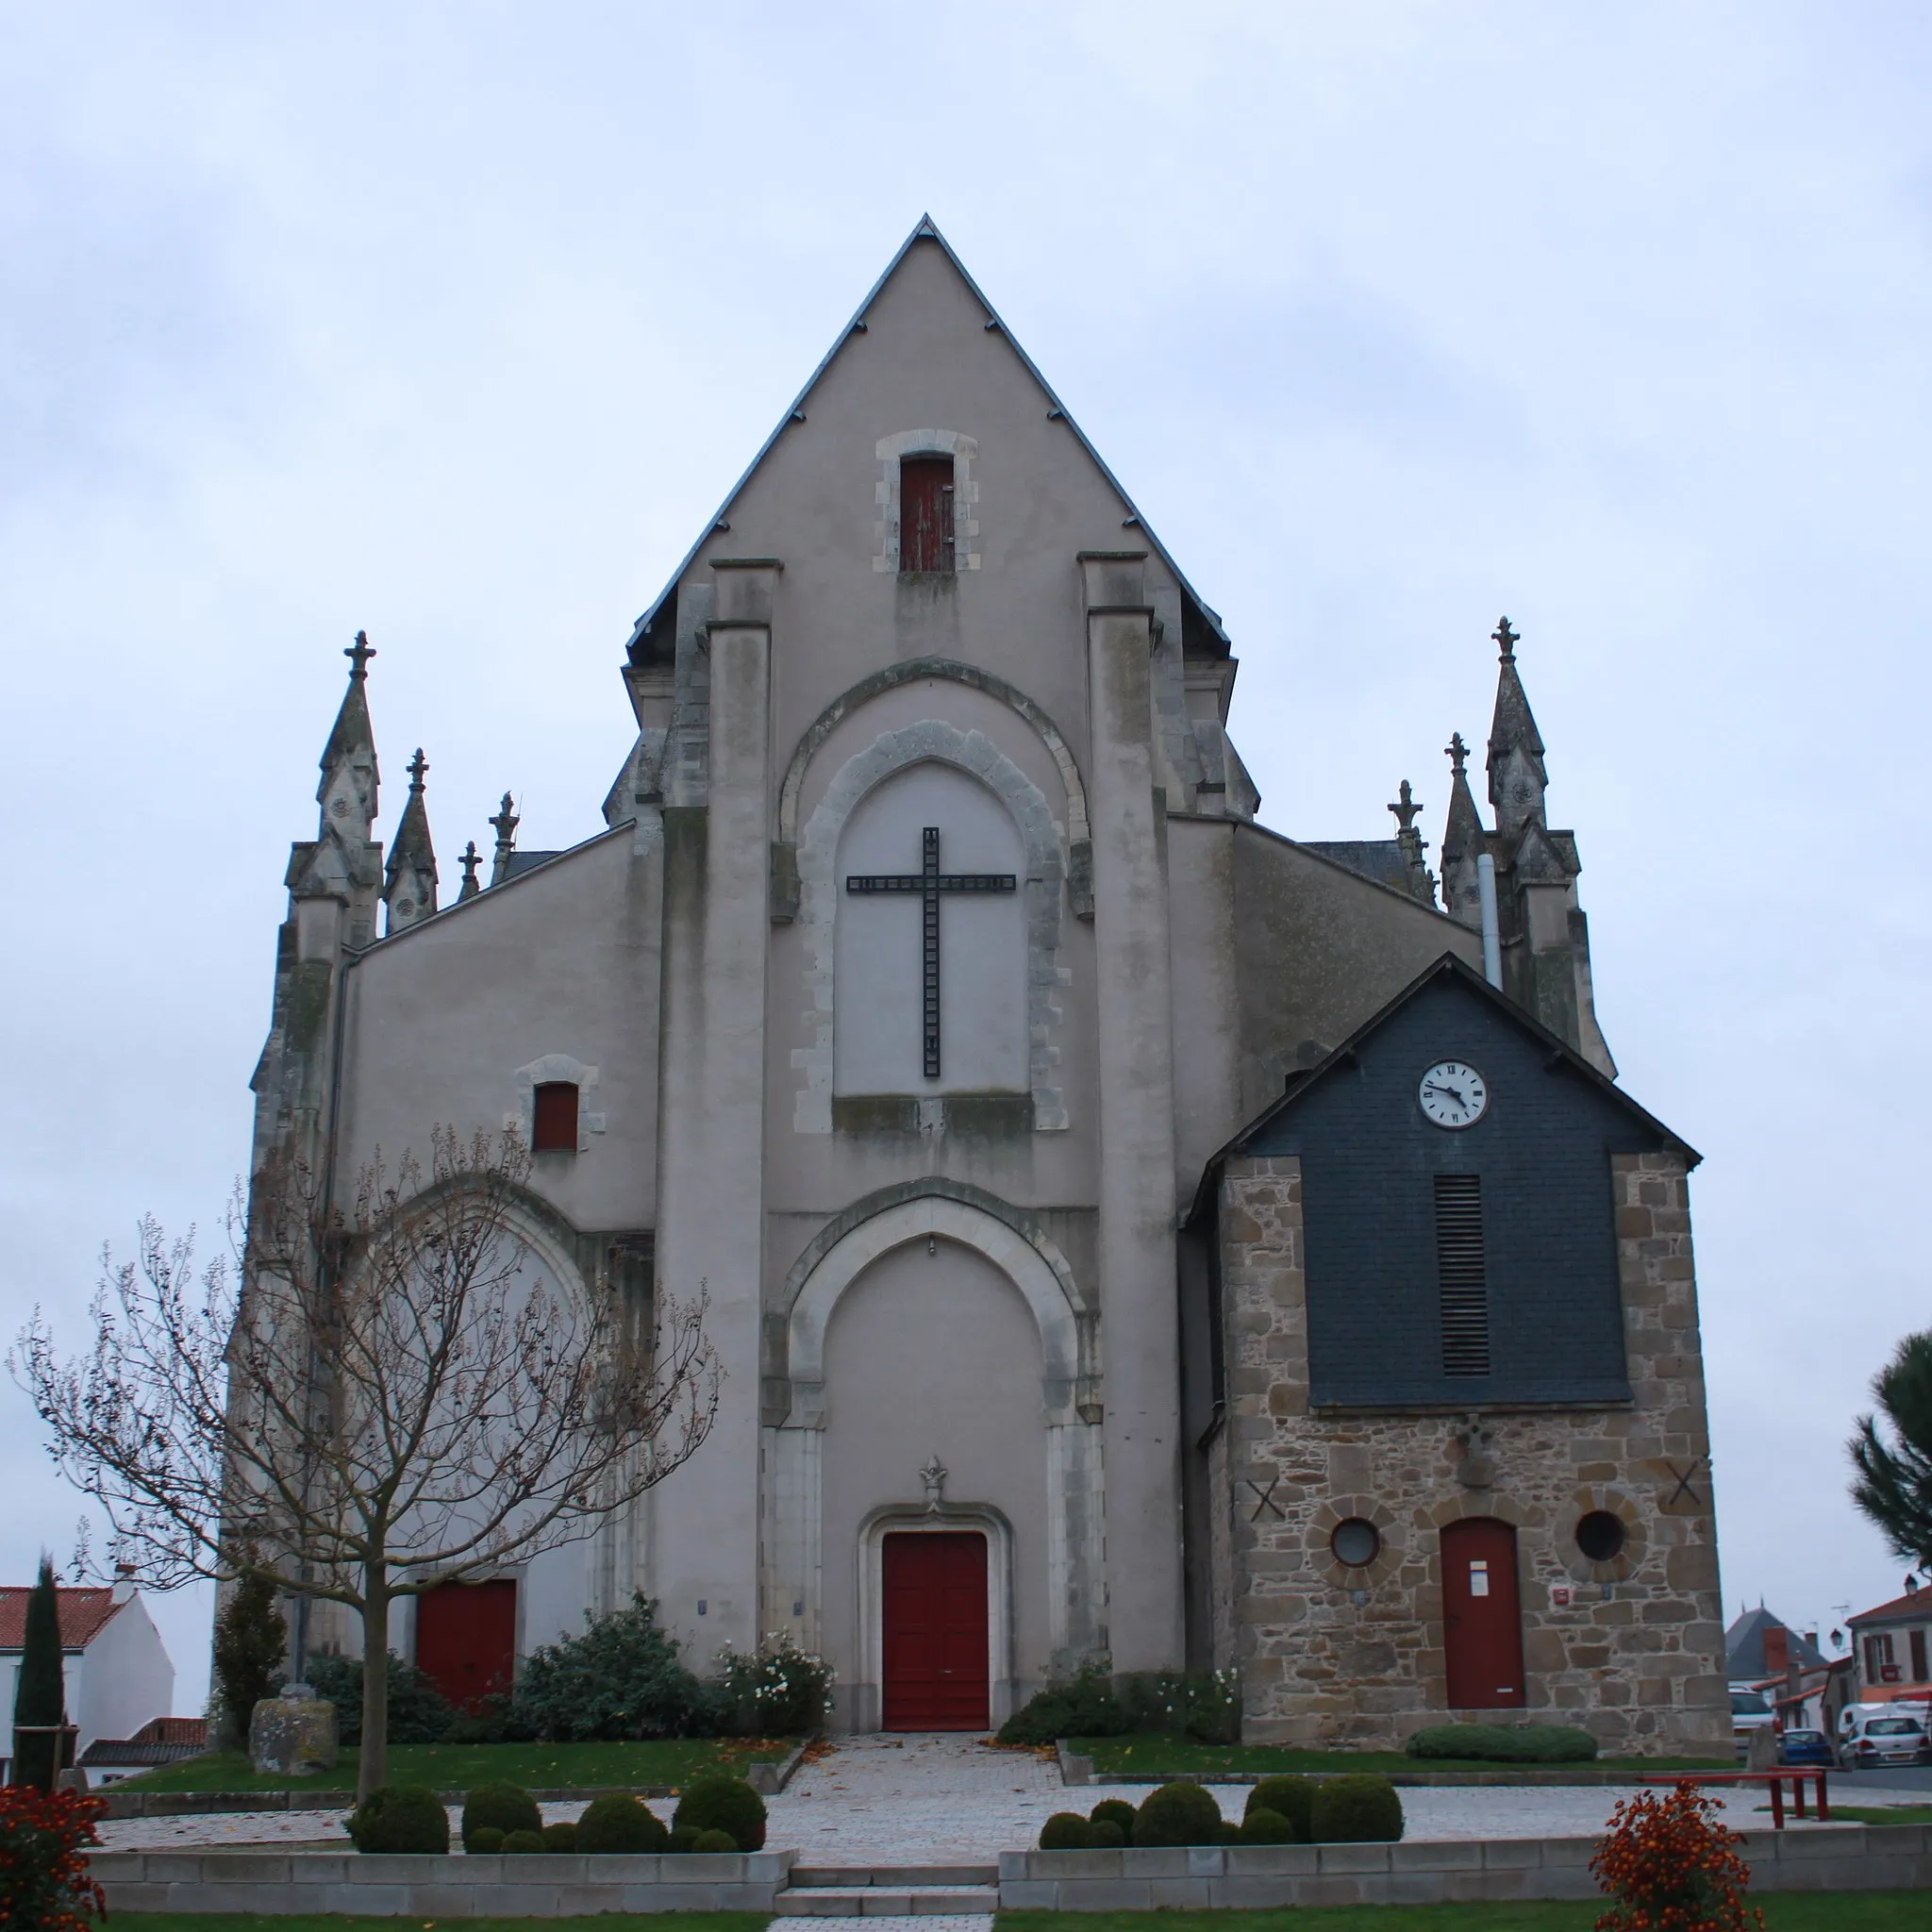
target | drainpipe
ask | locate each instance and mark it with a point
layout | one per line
(1493, 933)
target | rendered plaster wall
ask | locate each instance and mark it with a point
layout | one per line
(1336, 1656)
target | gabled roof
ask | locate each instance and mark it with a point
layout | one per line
(1915, 1606)
(84, 1615)
(1744, 1645)
(1448, 967)
(924, 230)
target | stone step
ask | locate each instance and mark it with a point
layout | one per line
(885, 1901)
(900, 1877)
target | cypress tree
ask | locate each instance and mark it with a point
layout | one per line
(41, 1697)
(251, 1641)
(1894, 1480)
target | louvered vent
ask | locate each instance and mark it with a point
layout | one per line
(1460, 1274)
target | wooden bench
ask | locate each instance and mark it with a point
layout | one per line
(1774, 1781)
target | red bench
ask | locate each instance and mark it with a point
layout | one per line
(1794, 1776)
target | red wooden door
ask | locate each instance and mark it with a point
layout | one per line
(934, 1632)
(466, 1639)
(1482, 1618)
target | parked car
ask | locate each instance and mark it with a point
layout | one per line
(1796, 1746)
(1869, 1741)
(1749, 1711)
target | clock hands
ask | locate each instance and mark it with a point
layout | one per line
(1454, 1093)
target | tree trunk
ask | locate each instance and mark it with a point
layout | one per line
(371, 1765)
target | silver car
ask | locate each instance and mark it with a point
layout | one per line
(1872, 1741)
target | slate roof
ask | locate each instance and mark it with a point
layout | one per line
(1380, 859)
(1913, 1607)
(1744, 1647)
(83, 1615)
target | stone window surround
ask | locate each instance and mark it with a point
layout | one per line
(900, 1518)
(890, 451)
(973, 753)
(548, 1068)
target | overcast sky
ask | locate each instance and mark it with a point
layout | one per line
(456, 322)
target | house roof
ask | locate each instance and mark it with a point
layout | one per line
(1452, 968)
(83, 1615)
(1913, 1607)
(1744, 1647)
(926, 230)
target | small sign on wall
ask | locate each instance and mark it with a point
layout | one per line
(1479, 1577)
(1560, 1596)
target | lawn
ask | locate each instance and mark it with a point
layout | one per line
(1158, 1754)
(316, 1922)
(457, 1767)
(1785, 1911)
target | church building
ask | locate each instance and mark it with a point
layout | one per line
(1132, 1234)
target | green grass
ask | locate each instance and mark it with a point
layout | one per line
(1873, 1814)
(457, 1767)
(1159, 1753)
(318, 1921)
(1785, 1911)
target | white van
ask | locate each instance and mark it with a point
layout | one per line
(1871, 1735)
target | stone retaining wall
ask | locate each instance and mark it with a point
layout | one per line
(537, 1884)
(1819, 1858)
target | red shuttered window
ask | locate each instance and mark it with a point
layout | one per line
(925, 514)
(553, 1127)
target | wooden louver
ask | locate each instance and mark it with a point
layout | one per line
(1461, 1275)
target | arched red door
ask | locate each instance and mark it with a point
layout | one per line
(1482, 1616)
(935, 1631)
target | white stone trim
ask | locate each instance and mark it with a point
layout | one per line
(916, 1519)
(522, 1117)
(921, 442)
(977, 754)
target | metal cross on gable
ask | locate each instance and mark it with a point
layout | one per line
(929, 882)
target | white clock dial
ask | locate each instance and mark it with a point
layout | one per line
(1454, 1095)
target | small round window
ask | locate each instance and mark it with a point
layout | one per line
(1600, 1535)
(1357, 1542)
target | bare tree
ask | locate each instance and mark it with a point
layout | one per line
(367, 1406)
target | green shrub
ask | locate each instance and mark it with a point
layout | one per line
(418, 1711)
(500, 1806)
(777, 1690)
(400, 1818)
(712, 1842)
(682, 1839)
(619, 1677)
(1105, 1835)
(250, 1649)
(716, 1801)
(1262, 1827)
(619, 1823)
(523, 1841)
(1065, 1831)
(1179, 1815)
(1081, 1707)
(1504, 1743)
(1359, 1808)
(560, 1837)
(486, 1838)
(1292, 1798)
(1118, 1809)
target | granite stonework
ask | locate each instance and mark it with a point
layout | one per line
(1335, 1655)
(291, 1737)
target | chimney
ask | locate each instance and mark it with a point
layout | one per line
(1811, 1638)
(1777, 1650)
(124, 1583)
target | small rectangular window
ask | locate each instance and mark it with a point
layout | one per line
(925, 515)
(554, 1122)
(1918, 1656)
(1461, 1275)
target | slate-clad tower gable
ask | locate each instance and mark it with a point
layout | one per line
(929, 950)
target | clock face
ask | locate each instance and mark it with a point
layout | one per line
(1454, 1095)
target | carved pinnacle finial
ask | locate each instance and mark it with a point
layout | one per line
(933, 1476)
(358, 655)
(505, 823)
(1458, 752)
(1507, 640)
(1405, 806)
(418, 765)
(469, 862)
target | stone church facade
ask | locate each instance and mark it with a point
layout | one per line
(1092, 1277)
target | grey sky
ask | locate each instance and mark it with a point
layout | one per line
(455, 322)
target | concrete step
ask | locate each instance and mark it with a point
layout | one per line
(899, 1877)
(885, 1901)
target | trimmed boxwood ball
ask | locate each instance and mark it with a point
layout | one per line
(1105, 1835)
(1292, 1798)
(501, 1807)
(1262, 1827)
(683, 1837)
(619, 1823)
(724, 1804)
(560, 1837)
(1179, 1815)
(400, 1818)
(1065, 1831)
(523, 1841)
(1119, 1810)
(713, 1842)
(1359, 1809)
(486, 1838)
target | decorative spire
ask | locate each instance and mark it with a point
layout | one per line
(358, 655)
(349, 776)
(505, 824)
(1421, 885)
(1405, 806)
(470, 861)
(1463, 839)
(409, 888)
(1518, 779)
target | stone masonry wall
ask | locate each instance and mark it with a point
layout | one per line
(1332, 1654)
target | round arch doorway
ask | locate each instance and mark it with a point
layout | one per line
(934, 1635)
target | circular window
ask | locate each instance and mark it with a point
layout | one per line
(1357, 1542)
(1600, 1535)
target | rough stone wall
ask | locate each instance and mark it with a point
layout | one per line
(1331, 1654)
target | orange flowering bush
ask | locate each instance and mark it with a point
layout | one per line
(1670, 1867)
(44, 1885)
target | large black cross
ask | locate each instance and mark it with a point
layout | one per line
(929, 882)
